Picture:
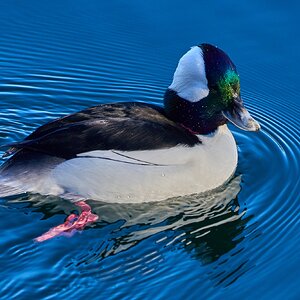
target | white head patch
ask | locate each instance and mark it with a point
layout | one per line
(189, 79)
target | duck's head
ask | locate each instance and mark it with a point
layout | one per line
(205, 92)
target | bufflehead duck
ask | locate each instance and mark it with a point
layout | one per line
(137, 152)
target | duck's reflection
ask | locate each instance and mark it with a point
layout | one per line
(206, 226)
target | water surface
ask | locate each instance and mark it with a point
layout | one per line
(240, 242)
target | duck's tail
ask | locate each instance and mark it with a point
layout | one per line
(13, 172)
(28, 171)
(9, 189)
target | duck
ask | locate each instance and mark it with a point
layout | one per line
(135, 152)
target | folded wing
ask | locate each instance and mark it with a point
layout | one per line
(122, 126)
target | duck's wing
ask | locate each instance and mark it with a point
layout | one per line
(122, 126)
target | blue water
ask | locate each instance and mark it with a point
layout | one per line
(241, 242)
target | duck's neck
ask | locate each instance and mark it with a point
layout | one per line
(194, 116)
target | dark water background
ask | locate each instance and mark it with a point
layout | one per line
(241, 242)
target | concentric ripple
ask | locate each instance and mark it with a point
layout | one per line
(240, 241)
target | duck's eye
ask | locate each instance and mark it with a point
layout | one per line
(236, 86)
(215, 88)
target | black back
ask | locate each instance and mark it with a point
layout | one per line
(120, 126)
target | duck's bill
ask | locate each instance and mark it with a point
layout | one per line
(240, 117)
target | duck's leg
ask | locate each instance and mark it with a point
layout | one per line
(73, 223)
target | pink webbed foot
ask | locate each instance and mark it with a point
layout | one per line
(72, 224)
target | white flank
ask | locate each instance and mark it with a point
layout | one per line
(144, 176)
(189, 79)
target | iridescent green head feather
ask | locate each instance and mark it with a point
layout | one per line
(223, 79)
(229, 86)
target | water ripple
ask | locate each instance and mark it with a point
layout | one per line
(61, 59)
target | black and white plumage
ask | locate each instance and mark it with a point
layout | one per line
(121, 126)
(134, 152)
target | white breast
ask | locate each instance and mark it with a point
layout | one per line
(143, 176)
